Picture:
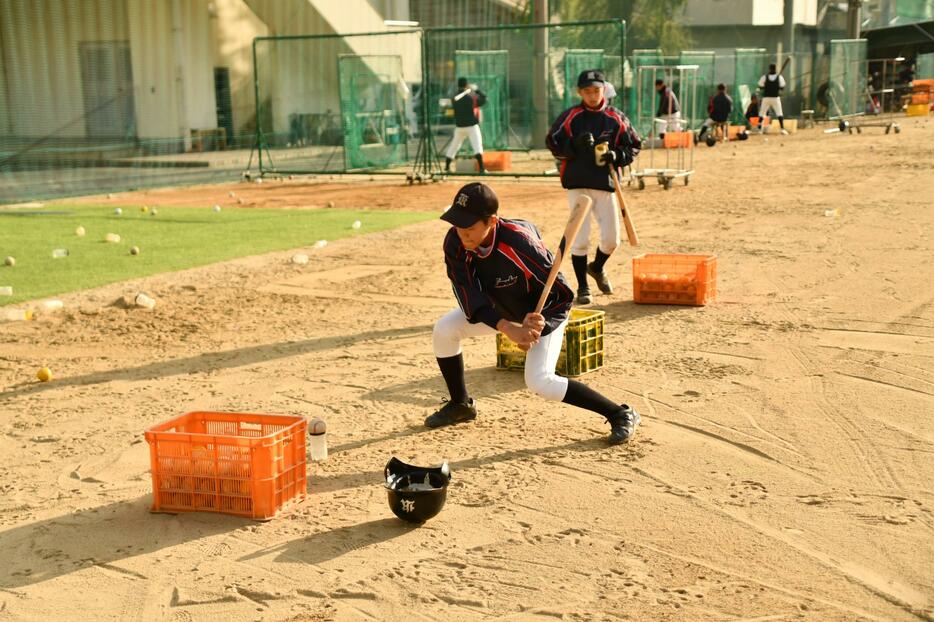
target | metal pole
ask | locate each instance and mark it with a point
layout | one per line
(788, 39)
(540, 75)
(852, 18)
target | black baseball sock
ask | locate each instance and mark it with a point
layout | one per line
(452, 368)
(447, 164)
(580, 270)
(781, 122)
(599, 260)
(703, 131)
(582, 396)
(479, 158)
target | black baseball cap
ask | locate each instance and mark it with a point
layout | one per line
(462, 82)
(591, 77)
(471, 203)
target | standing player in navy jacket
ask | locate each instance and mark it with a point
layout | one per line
(498, 269)
(571, 139)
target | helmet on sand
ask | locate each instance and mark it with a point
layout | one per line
(711, 140)
(416, 493)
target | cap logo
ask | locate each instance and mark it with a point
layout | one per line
(591, 75)
(462, 200)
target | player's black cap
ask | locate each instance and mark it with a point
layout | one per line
(462, 82)
(591, 77)
(471, 203)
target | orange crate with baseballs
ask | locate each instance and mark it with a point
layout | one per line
(672, 279)
(232, 463)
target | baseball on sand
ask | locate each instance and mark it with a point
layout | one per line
(80, 232)
(134, 250)
(9, 261)
(356, 224)
(330, 203)
(118, 211)
(217, 208)
(44, 374)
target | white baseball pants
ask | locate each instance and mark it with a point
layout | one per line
(540, 360)
(775, 103)
(668, 123)
(605, 211)
(460, 133)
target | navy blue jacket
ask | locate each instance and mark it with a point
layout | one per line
(465, 107)
(608, 125)
(507, 279)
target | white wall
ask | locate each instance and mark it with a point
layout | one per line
(156, 61)
(41, 40)
(233, 28)
(747, 12)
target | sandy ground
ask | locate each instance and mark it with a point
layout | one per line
(783, 470)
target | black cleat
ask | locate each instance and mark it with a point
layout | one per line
(451, 413)
(623, 424)
(583, 296)
(603, 281)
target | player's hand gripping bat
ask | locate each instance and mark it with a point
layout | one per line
(631, 234)
(578, 214)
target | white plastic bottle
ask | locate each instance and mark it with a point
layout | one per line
(317, 434)
(58, 253)
(142, 300)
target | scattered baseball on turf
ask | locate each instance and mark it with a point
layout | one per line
(356, 224)
(9, 261)
(113, 238)
(216, 208)
(144, 209)
(118, 211)
(80, 232)
(153, 211)
(44, 374)
(134, 250)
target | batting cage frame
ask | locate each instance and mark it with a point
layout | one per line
(303, 128)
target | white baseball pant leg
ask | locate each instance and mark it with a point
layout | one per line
(471, 133)
(606, 212)
(668, 123)
(773, 103)
(540, 360)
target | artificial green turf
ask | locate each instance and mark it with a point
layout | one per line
(174, 239)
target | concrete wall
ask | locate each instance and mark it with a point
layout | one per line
(40, 55)
(41, 42)
(233, 27)
(747, 12)
(301, 76)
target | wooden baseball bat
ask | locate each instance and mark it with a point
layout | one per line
(576, 219)
(630, 228)
(599, 150)
(785, 64)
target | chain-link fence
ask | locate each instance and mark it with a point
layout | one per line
(848, 77)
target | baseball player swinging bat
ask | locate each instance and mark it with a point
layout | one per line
(578, 214)
(599, 150)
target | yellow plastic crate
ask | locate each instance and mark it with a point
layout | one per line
(581, 352)
(917, 110)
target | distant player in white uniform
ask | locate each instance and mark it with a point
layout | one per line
(466, 106)
(772, 84)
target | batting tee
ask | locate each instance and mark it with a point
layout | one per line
(848, 76)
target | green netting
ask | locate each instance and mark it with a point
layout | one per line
(925, 69)
(576, 61)
(641, 109)
(372, 100)
(749, 65)
(490, 69)
(846, 90)
(706, 79)
(908, 11)
(330, 103)
(536, 64)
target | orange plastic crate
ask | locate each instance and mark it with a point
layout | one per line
(668, 279)
(678, 139)
(497, 160)
(233, 463)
